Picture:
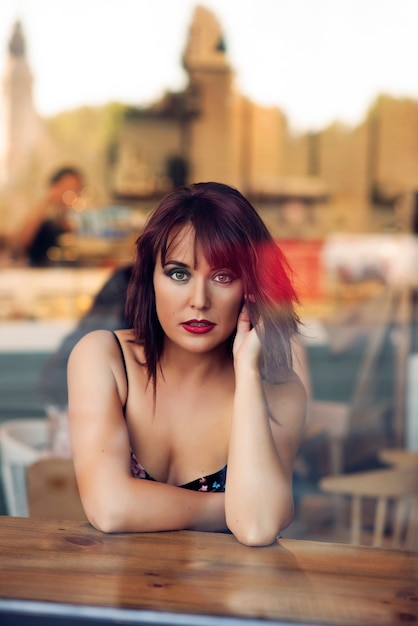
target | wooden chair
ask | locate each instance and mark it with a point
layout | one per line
(52, 490)
(395, 526)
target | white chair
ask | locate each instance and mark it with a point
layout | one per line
(22, 442)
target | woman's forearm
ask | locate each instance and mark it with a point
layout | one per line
(145, 506)
(258, 498)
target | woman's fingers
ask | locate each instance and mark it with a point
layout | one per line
(247, 343)
(244, 319)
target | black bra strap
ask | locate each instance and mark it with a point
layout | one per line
(124, 365)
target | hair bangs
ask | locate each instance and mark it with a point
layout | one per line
(219, 250)
(222, 242)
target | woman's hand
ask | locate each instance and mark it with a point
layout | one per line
(247, 345)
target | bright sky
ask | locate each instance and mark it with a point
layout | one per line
(318, 60)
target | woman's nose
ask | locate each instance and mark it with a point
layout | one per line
(200, 294)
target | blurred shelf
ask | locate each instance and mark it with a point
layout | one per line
(52, 293)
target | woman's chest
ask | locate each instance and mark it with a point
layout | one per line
(182, 437)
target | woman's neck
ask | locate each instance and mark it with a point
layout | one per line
(178, 363)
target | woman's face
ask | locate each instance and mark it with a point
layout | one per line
(197, 305)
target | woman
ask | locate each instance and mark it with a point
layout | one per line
(192, 418)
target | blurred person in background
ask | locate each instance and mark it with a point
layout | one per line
(107, 312)
(38, 239)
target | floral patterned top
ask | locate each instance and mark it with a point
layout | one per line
(212, 483)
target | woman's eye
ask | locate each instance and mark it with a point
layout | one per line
(178, 275)
(224, 278)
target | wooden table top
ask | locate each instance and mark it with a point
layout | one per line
(188, 577)
(400, 457)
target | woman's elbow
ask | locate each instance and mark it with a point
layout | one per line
(260, 532)
(254, 535)
(254, 538)
(104, 518)
(103, 525)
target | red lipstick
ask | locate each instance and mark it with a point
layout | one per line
(198, 327)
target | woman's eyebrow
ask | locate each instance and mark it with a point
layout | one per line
(176, 263)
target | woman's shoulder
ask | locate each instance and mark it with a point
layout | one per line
(101, 342)
(95, 338)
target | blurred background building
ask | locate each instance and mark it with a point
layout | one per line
(305, 185)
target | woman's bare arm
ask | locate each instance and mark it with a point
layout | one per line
(113, 500)
(263, 446)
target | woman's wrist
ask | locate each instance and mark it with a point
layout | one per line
(211, 515)
(247, 370)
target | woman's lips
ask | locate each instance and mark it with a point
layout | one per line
(198, 327)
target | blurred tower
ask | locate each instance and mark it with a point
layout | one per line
(19, 123)
(210, 80)
(230, 139)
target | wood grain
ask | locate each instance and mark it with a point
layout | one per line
(206, 574)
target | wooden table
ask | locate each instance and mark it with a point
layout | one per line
(56, 571)
(399, 457)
